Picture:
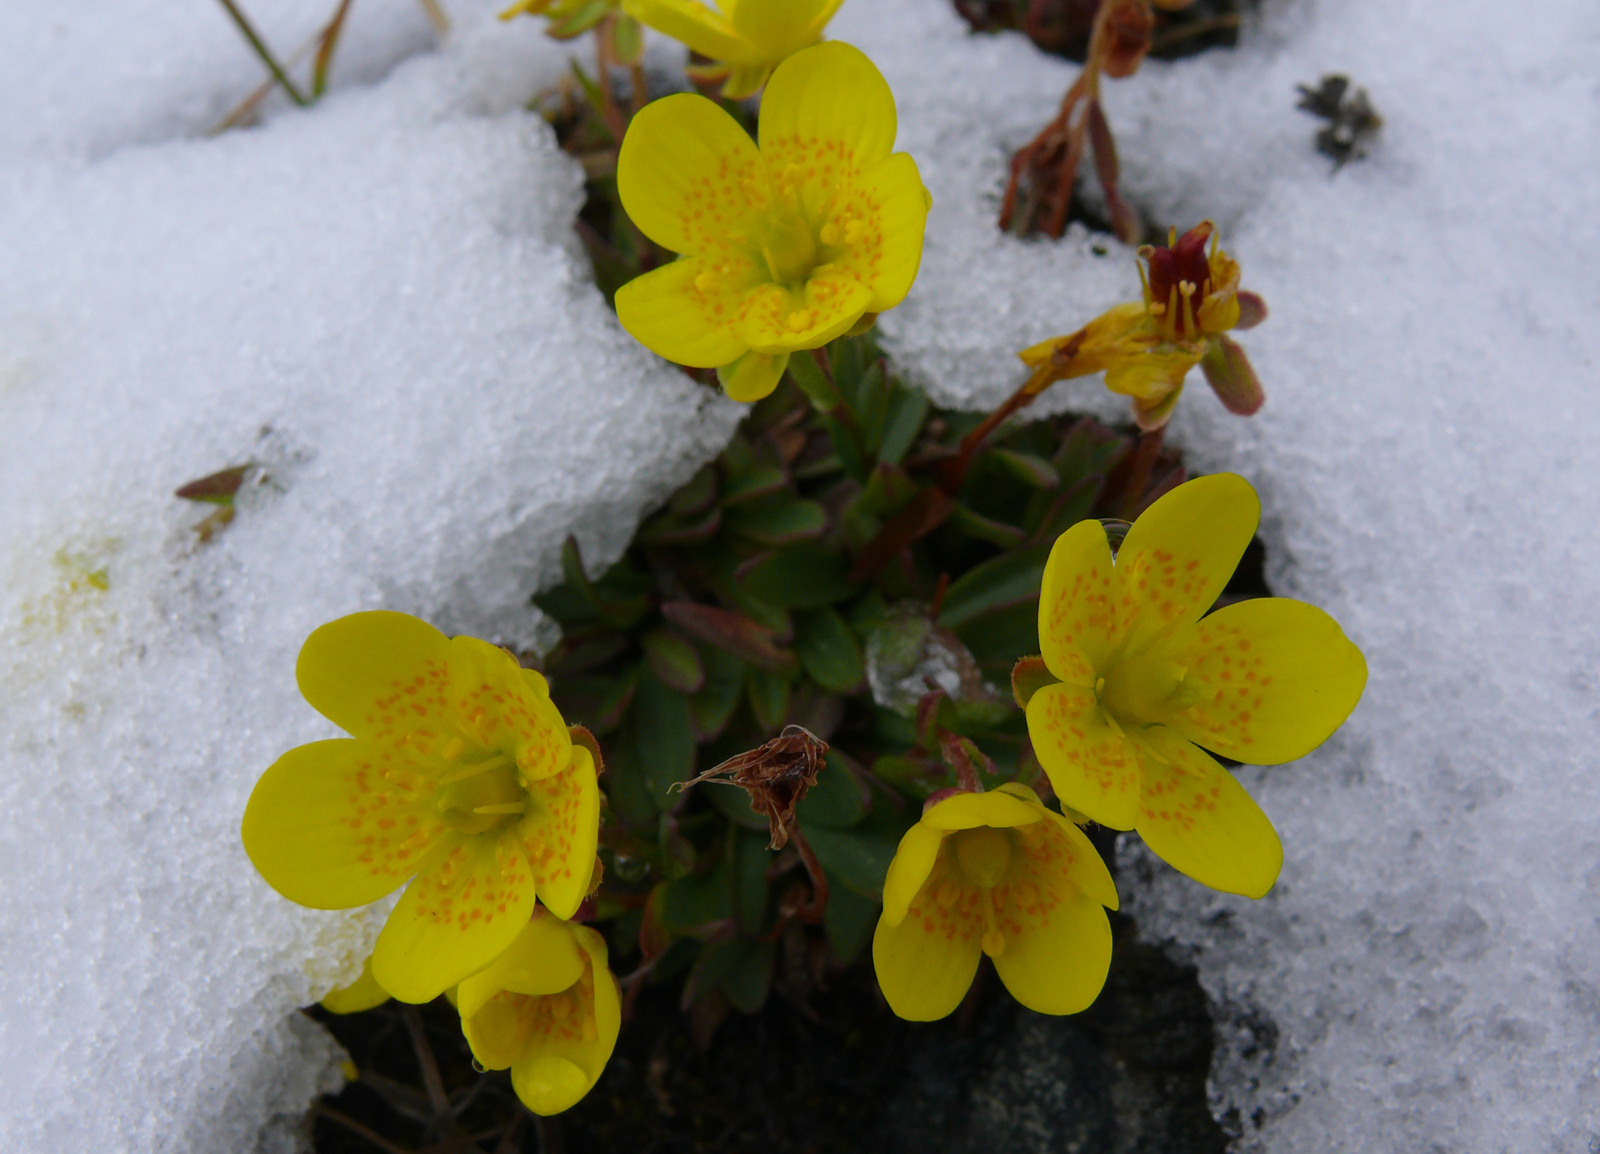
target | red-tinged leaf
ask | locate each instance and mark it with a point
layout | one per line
(1028, 676)
(1105, 149)
(731, 632)
(1231, 377)
(216, 489)
(916, 519)
(581, 736)
(1252, 310)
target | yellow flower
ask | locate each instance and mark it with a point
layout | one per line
(784, 247)
(460, 773)
(1146, 678)
(1146, 349)
(994, 873)
(565, 19)
(747, 38)
(547, 1008)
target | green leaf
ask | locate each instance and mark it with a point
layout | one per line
(907, 413)
(1088, 448)
(671, 529)
(749, 980)
(828, 650)
(753, 483)
(675, 662)
(849, 920)
(596, 702)
(713, 706)
(632, 803)
(835, 801)
(578, 22)
(663, 738)
(693, 901)
(860, 855)
(1033, 471)
(1000, 637)
(751, 857)
(851, 458)
(215, 489)
(697, 496)
(769, 697)
(975, 524)
(780, 524)
(1004, 580)
(814, 383)
(627, 41)
(741, 969)
(805, 577)
(734, 804)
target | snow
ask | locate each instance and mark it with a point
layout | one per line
(378, 301)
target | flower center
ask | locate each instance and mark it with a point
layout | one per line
(983, 854)
(481, 796)
(789, 247)
(1139, 689)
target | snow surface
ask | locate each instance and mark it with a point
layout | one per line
(378, 301)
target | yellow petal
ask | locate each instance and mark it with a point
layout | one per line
(1089, 871)
(1057, 938)
(1180, 553)
(1149, 377)
(876, 224)
(690, 177)
(549, 1083)
(778, 30)
(1000, 809)
(455, 917)
(362, 994)
(1075, 618)
(337, 824)
(773, 319)
(374, 674)
(566, 1054)
(497, 1030)
(912, 863)
(925, 962)
(685, 311)
(745, 80)
(1091, 764)
(752, 376)
(688, 22)
(1198, 819)
(833, 99)
(559, 833)
(1268, 680)
(545, 958)
(494, 705)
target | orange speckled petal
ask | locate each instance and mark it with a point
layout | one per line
(773, 319)
(875, 229)
(832, 95)
(1268, 680)
(494, 705)
(689, 176)
(1057, 938)
(1180, 554)
(460, 911)
(685, 311)
(341, 823)
(560, 832)
(375, 673)
(1075, 619)
(567, 1052)
(926, 962)
(1198, 819)
(1091, 764)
